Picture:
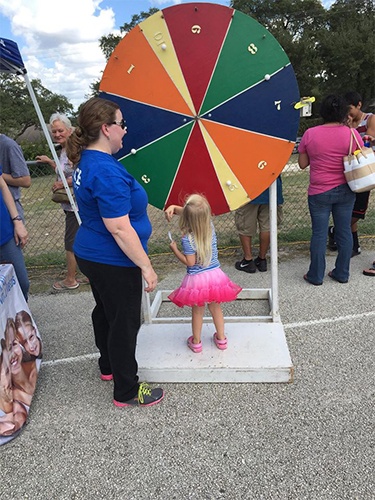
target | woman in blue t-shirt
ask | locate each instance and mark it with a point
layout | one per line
(111, 246)
(13, 236)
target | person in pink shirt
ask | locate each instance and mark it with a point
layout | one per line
(323, 148)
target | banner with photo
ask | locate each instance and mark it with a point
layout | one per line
(20, 356)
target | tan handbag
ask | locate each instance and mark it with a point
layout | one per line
(60, 196)
(359, 167)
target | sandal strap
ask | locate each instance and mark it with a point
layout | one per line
(221, 342)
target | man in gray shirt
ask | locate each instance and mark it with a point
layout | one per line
(15, 171)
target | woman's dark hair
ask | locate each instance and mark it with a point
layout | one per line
(334, 108)
(92, 114)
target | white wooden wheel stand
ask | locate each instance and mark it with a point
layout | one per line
(257, 348)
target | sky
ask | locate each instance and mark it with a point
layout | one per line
(59, 40)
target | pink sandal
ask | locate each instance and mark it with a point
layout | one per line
(220, 344)
(194, 347)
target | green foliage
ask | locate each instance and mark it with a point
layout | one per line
(347, 48)
(306, 123)
(332, 51)
(107, 43)
(296, 25)
(94, 89)
(17, 109)
(30, 151)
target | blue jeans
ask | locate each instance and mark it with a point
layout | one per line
(10, 253)
(339, 201)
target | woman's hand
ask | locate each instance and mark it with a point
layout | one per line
(57, 185)
(21, 235)
(43, 159)
(151, 278)
(46, 159)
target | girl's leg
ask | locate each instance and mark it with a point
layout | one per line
(218, 318)
(197, 322)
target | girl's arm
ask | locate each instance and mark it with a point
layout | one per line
(188, 260)
(172, 210)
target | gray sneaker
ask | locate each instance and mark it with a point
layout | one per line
(248, 266)
(145, 397)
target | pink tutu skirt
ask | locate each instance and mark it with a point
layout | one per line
(203, 288)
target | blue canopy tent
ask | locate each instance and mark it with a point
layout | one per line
(11, 62)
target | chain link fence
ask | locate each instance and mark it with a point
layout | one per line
(45, 220)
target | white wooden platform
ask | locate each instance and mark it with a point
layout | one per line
(257, 352)
(257, 348)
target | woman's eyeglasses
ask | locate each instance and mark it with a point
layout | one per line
(121, 123)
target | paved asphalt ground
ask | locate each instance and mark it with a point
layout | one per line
(310, 439)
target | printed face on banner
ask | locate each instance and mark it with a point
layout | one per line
(20, 356)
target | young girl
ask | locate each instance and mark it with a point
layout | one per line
(204, 283)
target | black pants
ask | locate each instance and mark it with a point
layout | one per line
(116, 320)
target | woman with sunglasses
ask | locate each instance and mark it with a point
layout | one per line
(111, 246)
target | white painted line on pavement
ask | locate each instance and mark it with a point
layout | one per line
(289, 326)
(322, 321)
(70, 360)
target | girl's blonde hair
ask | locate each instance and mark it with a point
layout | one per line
(195, 221)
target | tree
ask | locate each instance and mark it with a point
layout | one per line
(347, 48)
(17, 110)
(296, 25)
(330, 50)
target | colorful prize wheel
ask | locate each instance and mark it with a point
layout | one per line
(208, 95)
